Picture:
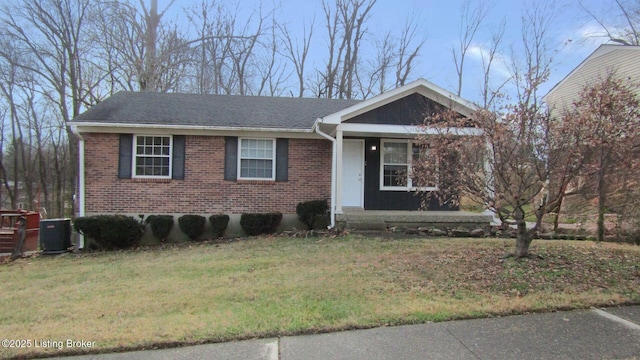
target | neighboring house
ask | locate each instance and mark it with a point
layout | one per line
(5, 200)
(623, 61)
(163, 153)
(22, 202)
(620, 60)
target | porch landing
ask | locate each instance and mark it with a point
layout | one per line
(359, 219)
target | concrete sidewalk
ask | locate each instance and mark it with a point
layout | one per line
(591, 334)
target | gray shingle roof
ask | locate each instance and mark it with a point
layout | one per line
(211, 110)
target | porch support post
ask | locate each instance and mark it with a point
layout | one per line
(490, 186)
(339, 172)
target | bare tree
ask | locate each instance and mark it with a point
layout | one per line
(53, 34)
(149, 78)
(229, 51)
(470, 21)
(407, 51)
(624, 26)
(213, 24)
(271, 69)
(142, 51)
(488, 60)
(519, 164)
(396, 55)
(11, 170)
(517, 168)
(119, 37)
(27, 176)
(6, 184)
(33, 177)
(346, 27)
(296, 55)
(242, 53)
(607, 114)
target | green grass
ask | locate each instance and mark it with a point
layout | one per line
(279, 286)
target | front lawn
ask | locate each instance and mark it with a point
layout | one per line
(265, 287)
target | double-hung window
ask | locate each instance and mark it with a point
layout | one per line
(396, 163)
(152, 156)
(257, 159)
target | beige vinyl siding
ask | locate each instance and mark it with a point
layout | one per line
(623, 60)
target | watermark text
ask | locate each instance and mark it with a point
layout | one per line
(47, 344)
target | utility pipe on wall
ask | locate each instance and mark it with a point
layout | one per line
(333, 170)
(80, 194)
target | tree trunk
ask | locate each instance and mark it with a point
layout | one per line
(524, 238)
(523, 241)
(601, 209)
(18, 251)
(556, 221)
(601, 202)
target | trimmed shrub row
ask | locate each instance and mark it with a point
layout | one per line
(192, 225)
(160, 225)
(110, 232)
(261, 223)
(311, 211)
(121, 232)
(219, 224)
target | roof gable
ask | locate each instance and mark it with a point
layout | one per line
(422, 87)
(412, 109)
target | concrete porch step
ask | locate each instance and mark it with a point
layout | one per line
(382, 219)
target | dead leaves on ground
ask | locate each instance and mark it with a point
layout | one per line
(484, 269)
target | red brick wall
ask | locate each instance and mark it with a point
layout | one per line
(204, 190)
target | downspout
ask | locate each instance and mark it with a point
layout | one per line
(80, 195)
(334, 154)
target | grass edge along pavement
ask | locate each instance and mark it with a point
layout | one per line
(265, 287)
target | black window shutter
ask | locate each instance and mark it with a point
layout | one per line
(177, 161)
(282, 159)
(124, 161)
(231, 158)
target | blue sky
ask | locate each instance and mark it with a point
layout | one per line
(439, 20)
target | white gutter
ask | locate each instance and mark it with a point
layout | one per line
(81, 206)
(334, 161)
(88, 124)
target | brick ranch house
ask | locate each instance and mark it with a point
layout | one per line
(167, 153)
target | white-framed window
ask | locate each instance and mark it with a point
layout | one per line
(152, 156)
(395, 165)
(256, 159)
(396, 159)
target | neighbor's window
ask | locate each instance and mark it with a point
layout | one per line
(396, 165)
(152, 156)
(257, 159)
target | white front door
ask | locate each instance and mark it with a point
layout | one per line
(353, 173)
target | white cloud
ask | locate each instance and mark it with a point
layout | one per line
(592, 34)
(499, 66)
